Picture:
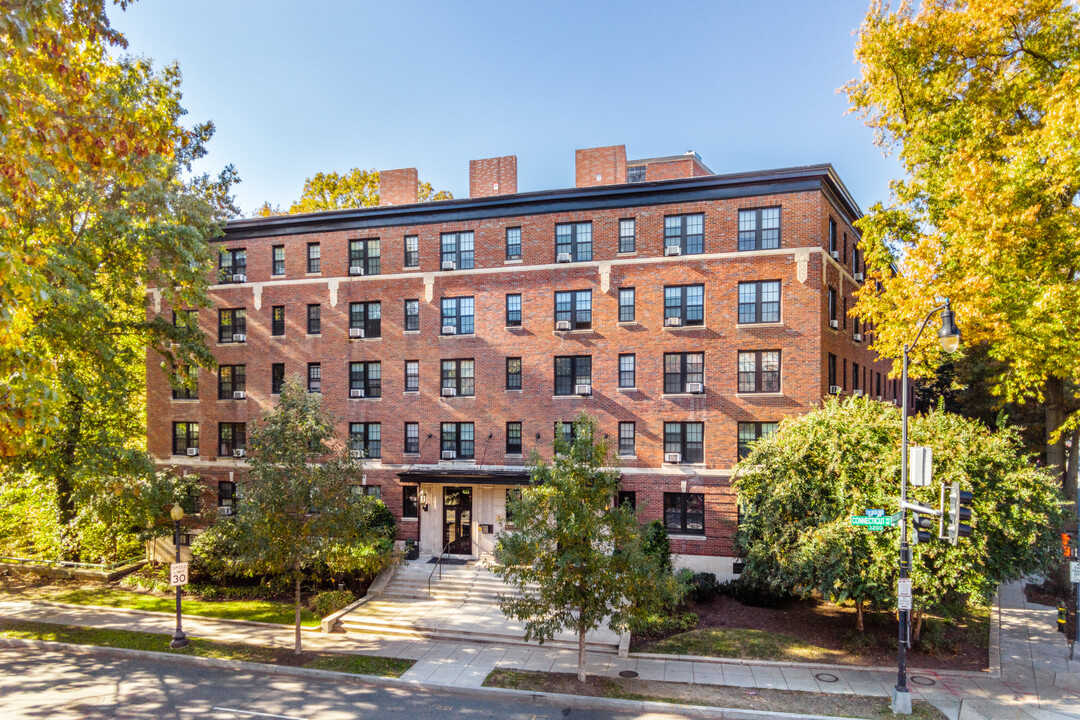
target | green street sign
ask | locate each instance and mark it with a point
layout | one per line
(874, 523)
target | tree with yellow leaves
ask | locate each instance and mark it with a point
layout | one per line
(355, 189)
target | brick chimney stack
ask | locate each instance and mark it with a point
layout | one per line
(399, 187)
(493, 176)
(600, 166)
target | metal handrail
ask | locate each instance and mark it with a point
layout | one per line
(438, 566)
(68, 563)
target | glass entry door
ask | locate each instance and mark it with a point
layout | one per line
(457, 522)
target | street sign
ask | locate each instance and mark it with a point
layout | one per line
(919, 466)
(1074, 572)
(178, 574)
(870, 512)
(903, 594)
(874, 523)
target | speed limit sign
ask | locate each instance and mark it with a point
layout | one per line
(178, 574)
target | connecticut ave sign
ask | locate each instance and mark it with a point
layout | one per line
(874, 522)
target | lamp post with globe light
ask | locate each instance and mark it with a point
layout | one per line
(179, 640)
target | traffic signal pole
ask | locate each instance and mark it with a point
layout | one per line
(901, 698)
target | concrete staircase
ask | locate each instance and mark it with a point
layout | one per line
(472, 583)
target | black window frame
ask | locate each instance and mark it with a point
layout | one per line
(514, 432)
(277, 378)
(181, 442)
(182, 388)
(314, 319)
(569, 431)
(236, 440)
(675, 382)
(627, 441)
(360, 438)
(463, 386)
(459, 319)
(833, 318)
(627, 240)
(575, 376)
(237, 324)
(410, 385)
(314, 258)
(410, 502)
(365, 375)
(678, 505)
(579, 319)
(190, 319)
(513, 240)
(756, 310)
(367, 254)
(580, 250)
(412, 320)
(513, 315)
(628, 311)
(236, 264)
(412, 255)
(690, 452)
(456, 441)
(361, 316)
(832, 236)
(513, 379)
(636, 173)
(623, 497)
(760, 375)
(683, 308)
(314, 377)
(226, 494)
(277, 320)
(688, 243)
(744, 441)
(627, 375)
(755, 238)
(277, 260)
(412, 440)
(237, 380)
(450, 248)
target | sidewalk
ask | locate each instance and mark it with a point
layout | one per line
(1037, 681)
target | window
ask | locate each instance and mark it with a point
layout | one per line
(232, 263)
(277, 378)
(681, 369)
(759, 371)
(685, 232)
(878, 393)
(627, 497)
(626, 305)
(314, 258)
(410, 508)
(574, 239)
(458, 438)
(366, 254)
(832, 371)
(685, 302)
(635, 173)
(232, 437)
(626, 439)
(231, 378)
(412, 376)
(571, 372)
(513, 438)
(366, 316)
(566, 431)
(854, 375)
(684, 513)
(512, 494)
(574, 307)
(367, 378)
(277, 320)
(457, 313)
(232, 325)
(513, 373)
(759, 302)
(412, 438)
(412, 315)
(314, 377)
(277, 260)
(759, 229)
(458, 249)
(855, 258)
(832, 308)
(832, 236)
(513, 311)
(627, 371)
(186, 383)
(185, 436)
(459, 376)
(513, 243)
(627, 235)
(855, 327)
(366, 438)
(314, 319)
(371, 491)
(412, 251)
(226, 493)
(751, 431)
(187, 319)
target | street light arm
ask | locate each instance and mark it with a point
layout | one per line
(922, 326)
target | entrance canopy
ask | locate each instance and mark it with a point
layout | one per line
(464, 476)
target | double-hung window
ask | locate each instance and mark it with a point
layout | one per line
(752, 431)
(232, 325)
(458, 377)
(458, 438)
(572, 371)
(513, 243)
(684, 305)
(232, 266)
(759, 302)
(627, 371)
(832, 371)
(412, 251)
(366, 316)
(575, 240)
(833, 320)
(513, 310)
(573, 308)
(277, 260)
(231, 379)
(855, 383)
(687, 439)
(226, 493)
(457, 247)
(186, 383)
(457, 316)
(832, 238)
(686, 232)
(412, 438)
(232, 439)
(513, 373)
(410, 507)
(277, 378)
(682, 369)
(366, 438)
(314, 377)
(412, 315)
(314, 319)
(567, 431)
(684, 513)
(759, 229)
(513, 438)
(186, 319)
(627, 235)
(412, 376)
(314, 257)
(366, 255)
(367, 378)
(626, 305)
(626, 439)
(759, 371)
(185, 436)
(277, 320)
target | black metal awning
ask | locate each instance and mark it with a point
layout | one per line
(465, 476)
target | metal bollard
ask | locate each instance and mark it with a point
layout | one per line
(1063, 616)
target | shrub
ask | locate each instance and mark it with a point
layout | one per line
(657, 625)
(754, 593)
(858, 643)
(704, 587)
(932, 638)
(329, 602)
(655, 543)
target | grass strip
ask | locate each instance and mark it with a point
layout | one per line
(742, 644)
(200, 647)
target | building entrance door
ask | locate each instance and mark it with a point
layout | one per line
(457, 522)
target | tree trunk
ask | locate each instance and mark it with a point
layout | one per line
(65, 504)
(858, 616)
(298, 649)
(581, 652)
(1056, 454)
(916, 633)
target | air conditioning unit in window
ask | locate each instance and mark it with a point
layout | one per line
(239, 453)
(695, 388)
(561, 325)
(192, 452)
(224, 511)
(564, 257)
(857, 337)
(835, 389)
(449, 454)
(673, 250)
(449, 392)
(857, 392)
(834, 324)
(583, 389)
(673, 322)
(449, 265)
(239, 337)
(356, 270)
(356, 393)
(449, 330)
(239, 395)
(879, 398)
(859, 277)
(835, 254)
(356, 454)
(239, 277)
(356, 332)
(673, 457)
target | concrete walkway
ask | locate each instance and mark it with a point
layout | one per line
(1037, 680)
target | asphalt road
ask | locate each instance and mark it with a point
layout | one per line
(58, 685)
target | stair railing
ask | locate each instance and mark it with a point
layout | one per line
(438, 566)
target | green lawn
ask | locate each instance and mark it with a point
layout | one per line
(743, 644)
(268, 611)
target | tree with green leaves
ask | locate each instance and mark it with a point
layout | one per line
(800, 488)
(576, 557)
(354, 189)
(302, 504)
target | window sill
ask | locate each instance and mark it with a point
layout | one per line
(632, 253)
(682, 395)
(366, 398)
(458, 461)
(667, 328)
(514, 261)
(377, 337)
(230, 344)
(231, 399)
(751, 326)
(572, 397)
(628, 323)
(185, 455)
(277, 276)
(409, 519)
(460, 335)
(277, 337)
(761, 394)
(628, 457)
(415, 454)
(682, 536)
(318, 334)
(185, 399)
(685, 465)
(457, 397)
(513, 455)
(512, 327)
(410, 392)
(627, 389)
(515, 390)
(410, 332)
(313, 274)
(575, 331)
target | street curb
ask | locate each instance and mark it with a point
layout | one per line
(808, 666)
(566, 701)
(154, 613)
(995, 636)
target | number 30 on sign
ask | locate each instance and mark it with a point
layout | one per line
(178, 574)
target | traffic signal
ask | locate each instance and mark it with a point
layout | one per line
(1067, 545)
(924, 527)
(959, 513)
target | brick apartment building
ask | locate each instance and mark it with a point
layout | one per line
(688, 312)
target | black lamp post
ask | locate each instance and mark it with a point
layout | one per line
(949, 337)
(179, 640)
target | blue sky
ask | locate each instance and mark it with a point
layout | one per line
(298, 88)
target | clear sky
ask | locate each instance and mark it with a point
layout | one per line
(295, 88)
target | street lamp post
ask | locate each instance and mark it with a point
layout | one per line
(949, 337)
(179, 640)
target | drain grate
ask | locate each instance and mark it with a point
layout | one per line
(628, 674)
